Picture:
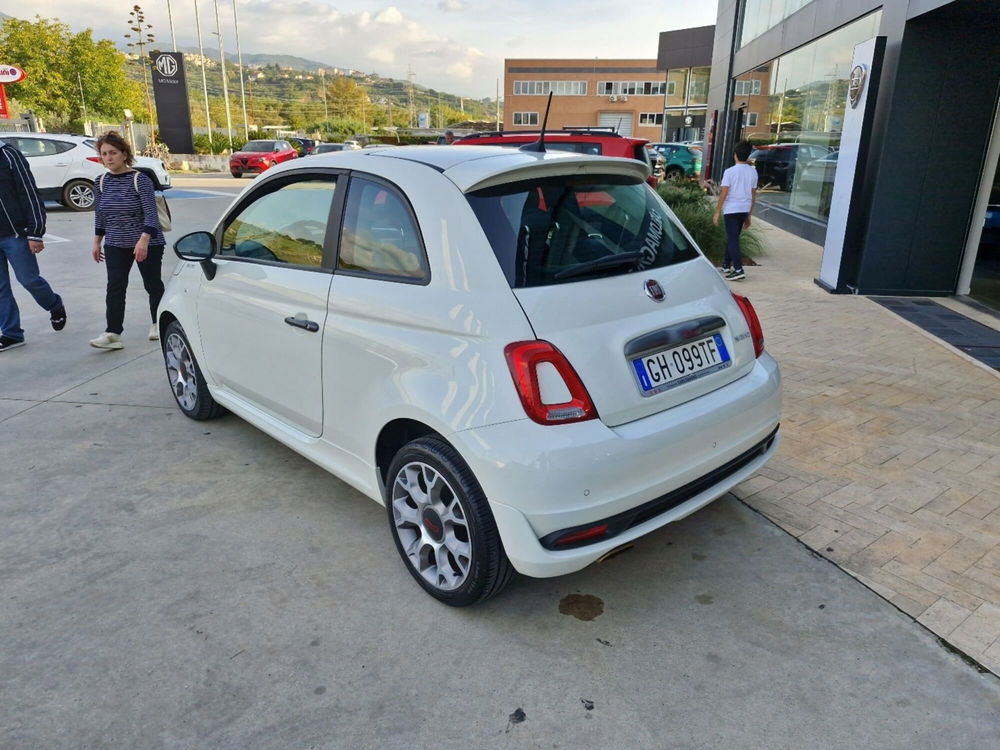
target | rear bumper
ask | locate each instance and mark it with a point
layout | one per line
(542, 480)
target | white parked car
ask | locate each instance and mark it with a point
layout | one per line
(523, 356)
(65, 166)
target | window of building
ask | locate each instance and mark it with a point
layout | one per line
(760, 15)
(650, 118)
(799, 116)
(698, 88)
(525, 118)
(631, 88)
(747, 88)
(558, 88)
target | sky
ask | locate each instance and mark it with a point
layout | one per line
(456, 46)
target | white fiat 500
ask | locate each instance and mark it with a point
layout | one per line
(523, 356)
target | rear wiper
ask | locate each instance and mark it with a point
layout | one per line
(608, 261)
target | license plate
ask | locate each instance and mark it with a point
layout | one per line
(668, 368)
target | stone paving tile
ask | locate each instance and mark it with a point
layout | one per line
(890, 458)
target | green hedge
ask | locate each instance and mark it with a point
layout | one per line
(694, 209)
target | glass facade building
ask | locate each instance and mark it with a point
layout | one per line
(793, 112)
(915, 217)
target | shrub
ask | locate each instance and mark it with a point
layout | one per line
(694, 210)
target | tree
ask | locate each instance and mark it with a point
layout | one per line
(53, 58)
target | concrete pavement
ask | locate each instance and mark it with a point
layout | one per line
(167, 583)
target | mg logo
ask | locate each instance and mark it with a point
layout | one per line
(654, 291)
(167, 65)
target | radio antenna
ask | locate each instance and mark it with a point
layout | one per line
(539, 145)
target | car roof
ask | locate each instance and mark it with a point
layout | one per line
(580, 136)
(476, 167)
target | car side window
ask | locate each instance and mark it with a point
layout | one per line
(36, 147)
(287, 225)
(380, 236)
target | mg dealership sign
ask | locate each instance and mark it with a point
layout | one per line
(8, 74)
(170, 92)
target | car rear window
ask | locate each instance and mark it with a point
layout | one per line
(563, 229)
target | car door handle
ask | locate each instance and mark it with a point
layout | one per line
(302, 323)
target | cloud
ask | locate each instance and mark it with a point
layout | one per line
(451, 6)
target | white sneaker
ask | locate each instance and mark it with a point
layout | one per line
(154, 332)
(107, 341)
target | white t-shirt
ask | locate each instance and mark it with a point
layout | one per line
(741, 179)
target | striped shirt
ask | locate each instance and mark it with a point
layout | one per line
(23, 213)
(122, 214)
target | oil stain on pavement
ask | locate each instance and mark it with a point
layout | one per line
(581, 606)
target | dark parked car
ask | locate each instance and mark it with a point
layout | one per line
(329, 148)
(776, 164)
(304, 146)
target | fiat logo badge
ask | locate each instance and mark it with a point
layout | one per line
(654, 291)
(856, 84)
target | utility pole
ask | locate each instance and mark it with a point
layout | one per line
(141, 36)
(326, 108)
(83, 102)
(204, 80)
(498, 104)
(239, 61)
(225, 86)
(409, 76)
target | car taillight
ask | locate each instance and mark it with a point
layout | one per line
(753, 322)
(537, 368)
(96, 159)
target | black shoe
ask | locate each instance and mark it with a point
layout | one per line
(736, 275)
(6, 342)
(58, 318)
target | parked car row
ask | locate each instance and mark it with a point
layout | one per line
(681, 161)
(777, 163)
(65, 167)
(260, 155)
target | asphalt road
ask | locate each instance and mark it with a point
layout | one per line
(170, 583)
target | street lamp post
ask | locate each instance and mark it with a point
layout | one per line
(204, 80)
(222, 65)
(239, 61)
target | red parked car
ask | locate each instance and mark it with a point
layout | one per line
(256, 156)
(581, 140)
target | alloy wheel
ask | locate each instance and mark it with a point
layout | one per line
(81, 196)
(431, 525)
(181, 372)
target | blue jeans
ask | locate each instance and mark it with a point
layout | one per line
(734, 225)
(15, 251)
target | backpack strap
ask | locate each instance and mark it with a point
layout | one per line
(101, 181)
(135, 181)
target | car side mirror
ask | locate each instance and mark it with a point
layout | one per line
(200, 248)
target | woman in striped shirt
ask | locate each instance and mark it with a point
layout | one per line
(125, 219)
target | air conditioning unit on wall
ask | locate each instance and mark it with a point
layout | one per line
(612, 98)
(623, 98)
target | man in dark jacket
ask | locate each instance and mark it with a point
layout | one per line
(22, 225)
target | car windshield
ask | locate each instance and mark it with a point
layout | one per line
(563, 229)
(263, 146)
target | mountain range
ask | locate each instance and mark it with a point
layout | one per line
(253, 58)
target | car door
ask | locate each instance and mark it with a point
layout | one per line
(48, 158)
(262, 316)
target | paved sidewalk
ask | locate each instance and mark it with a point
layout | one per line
(890, 461)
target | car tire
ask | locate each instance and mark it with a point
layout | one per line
(675, 174)
(237, 175)
(79, 195)
(442, 524)
(185, 377)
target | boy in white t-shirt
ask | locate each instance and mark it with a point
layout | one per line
(739, 193)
